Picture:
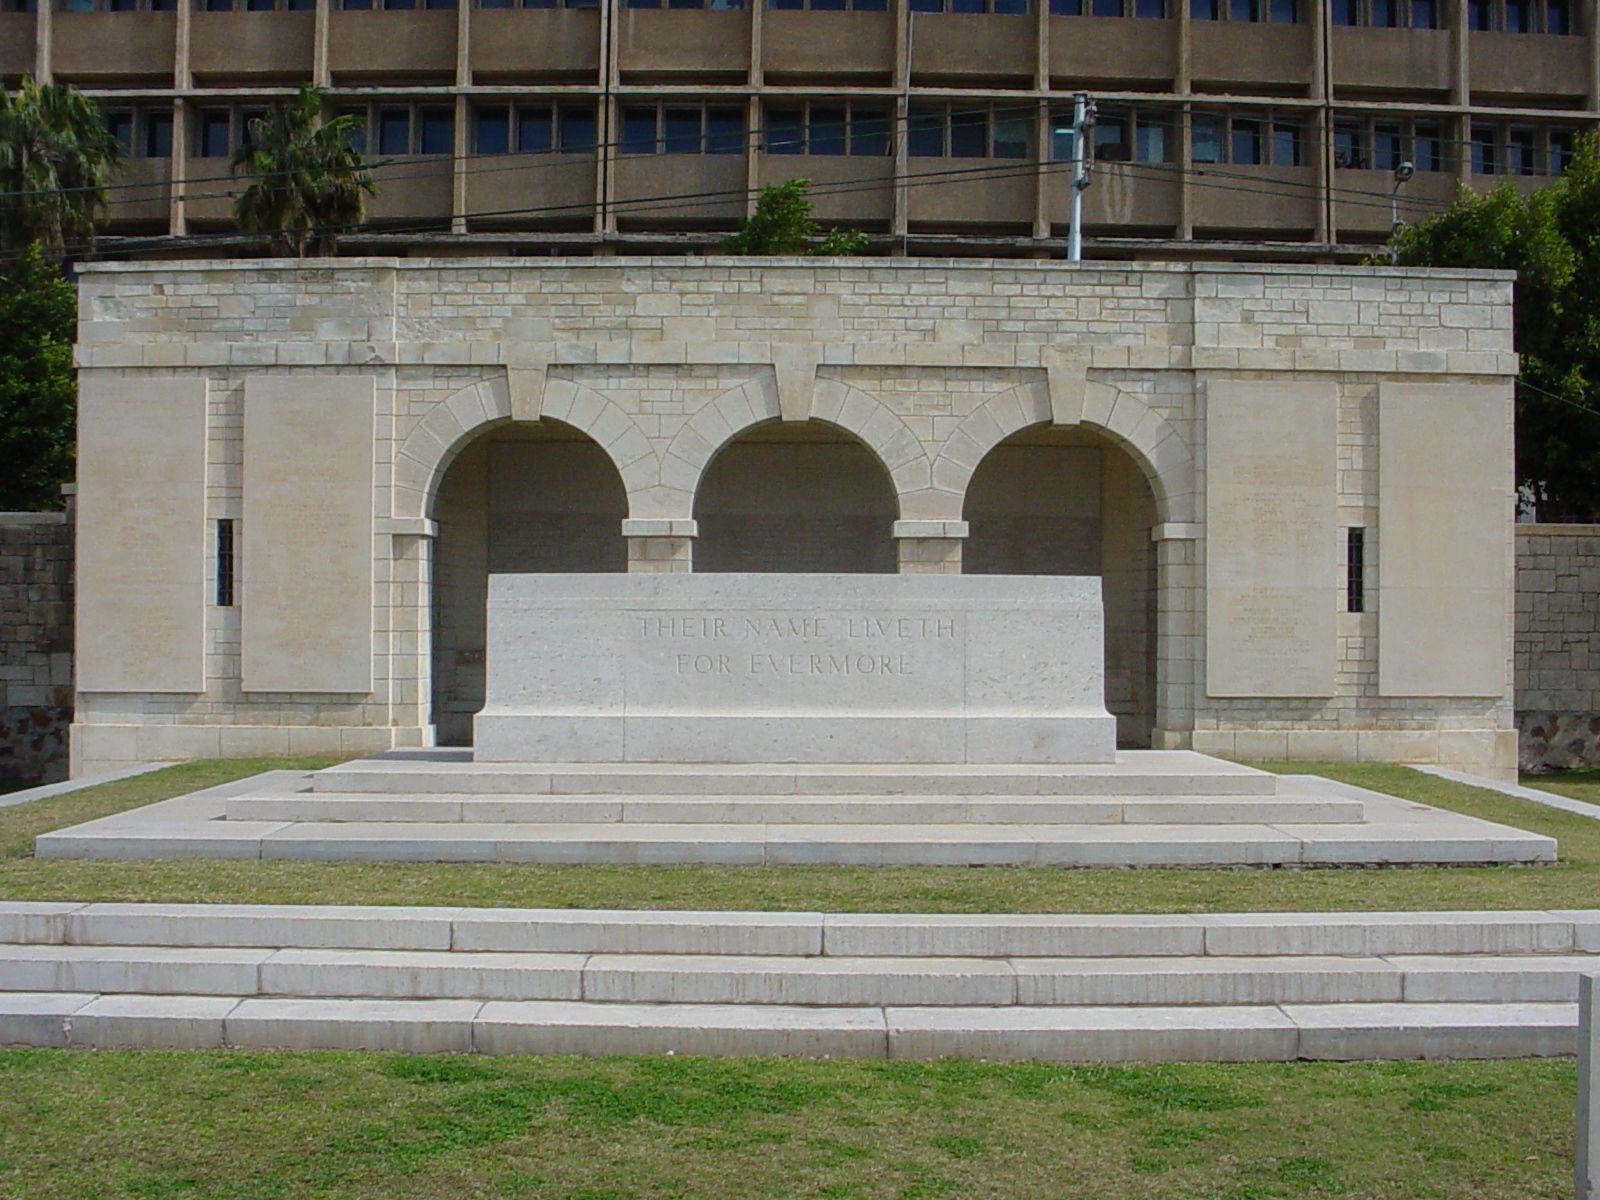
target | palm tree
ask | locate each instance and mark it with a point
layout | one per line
(308, 180)
(57, 158)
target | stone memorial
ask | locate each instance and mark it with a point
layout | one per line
(795, 668)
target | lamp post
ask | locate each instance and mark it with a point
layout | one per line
(1402, 175)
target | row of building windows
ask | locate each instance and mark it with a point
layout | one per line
(1256, 137)
(1509, 16)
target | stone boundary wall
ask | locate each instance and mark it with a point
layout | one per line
(35, 645)
(1558, 646)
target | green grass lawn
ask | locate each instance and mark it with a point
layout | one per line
(1573, 883)
(220, 1125)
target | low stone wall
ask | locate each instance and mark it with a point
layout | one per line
(35, 645)
(1558, 646)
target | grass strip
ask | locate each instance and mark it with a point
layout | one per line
(1573, 883)
(219, 1125)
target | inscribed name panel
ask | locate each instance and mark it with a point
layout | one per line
(306, 552)
(141, 555)
(1445, 509)
(1271, 549)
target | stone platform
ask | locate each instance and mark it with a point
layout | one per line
(1147, 808)
(1069, 988)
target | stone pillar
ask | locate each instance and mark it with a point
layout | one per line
(658, 546)
(407, 626)
(1178, 641)
(930, 547)
(1587, 1175)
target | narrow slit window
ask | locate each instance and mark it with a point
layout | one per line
(225, 571)
(1355, 570)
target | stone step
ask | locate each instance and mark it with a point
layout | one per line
(1135, 773)
(804, 934)
(826, 981)
(1060, 1034)
(1444, 840)
(788, 810)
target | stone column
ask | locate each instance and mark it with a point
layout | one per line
(930, 547)
(407, 575)
(658, 546)
(1587, 1176)
(1178, 643)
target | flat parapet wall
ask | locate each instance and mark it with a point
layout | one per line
(773, 668)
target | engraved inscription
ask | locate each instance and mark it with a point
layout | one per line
(836, 646)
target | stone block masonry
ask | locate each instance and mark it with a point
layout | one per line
(35, 646)
(484, 374)
(1558, 646)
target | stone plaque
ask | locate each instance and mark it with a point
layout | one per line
(1445, 508)
(794, 668)
(1271, 538)
(141, 534)
(305, 564)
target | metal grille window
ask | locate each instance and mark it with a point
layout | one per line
(225, 563)
(682, 129)
(955, 131)
(1355, 569)
(831, 127)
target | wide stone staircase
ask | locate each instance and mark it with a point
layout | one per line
(1222, 987)
(1148, 808)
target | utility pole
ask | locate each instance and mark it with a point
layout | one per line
(1082, 123)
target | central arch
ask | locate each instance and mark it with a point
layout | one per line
(802, 496)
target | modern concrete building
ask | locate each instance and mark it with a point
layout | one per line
(1227, 128)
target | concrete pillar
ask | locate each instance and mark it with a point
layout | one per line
(930, 547)
(1587, 1175)
(660, 546)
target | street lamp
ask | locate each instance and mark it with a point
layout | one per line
(1402, 175)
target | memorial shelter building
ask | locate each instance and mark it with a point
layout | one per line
(295, 479)
(1254, 128)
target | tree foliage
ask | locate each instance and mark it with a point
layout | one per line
(57, 157)
(308, 179)
(1552, 240)
(38, 394)
(782, 224)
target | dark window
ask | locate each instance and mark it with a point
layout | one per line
(438, 131)
(869, 131)
(827, 135)
(1480, 15)
(1283, 12)
(1150, 9)
(1386, 13)
(1519, 16)
(122, 5)
(1011, 136)
(1288, 142)
(925, 134)
(302, 5)
(225, 564)
(356, 135)
(638, 130)
(1066, 8)
(1561, 146)
(1246, 142)
(1350, 146)
(1427, 148)
(1424, 14)
(1106, 8)
(1386, 142)
(786, 131)
(1009, 8)
(1485, 152)
(1242, 10)
(1149, 141)
(355, 3)
(577, 129)
(533, 130)
(1522, 156)
(120, 126)
(969, 134)
(1205, 10)
(1355, 569)
(247, 125)
(927, 5)
(1111, 141)
(394, 131)
(493, 132)
(155, 6)
(644, 3)
(158, 135)
(1205, 140)
(681, 131)
(966, 6)
(213, 133)
(1557, 16)
(258, 5)
(725, 131)
(1345, 12)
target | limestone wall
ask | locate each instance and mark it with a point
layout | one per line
(1558, 645)
(930, 365)
(35, 645)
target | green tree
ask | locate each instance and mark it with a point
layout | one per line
(1552, 240)
(38, 394)
(308, 179)
(56, 160)
(782, 224)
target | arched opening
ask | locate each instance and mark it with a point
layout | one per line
(1061, 500)
(530, 496)
(795, 496)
